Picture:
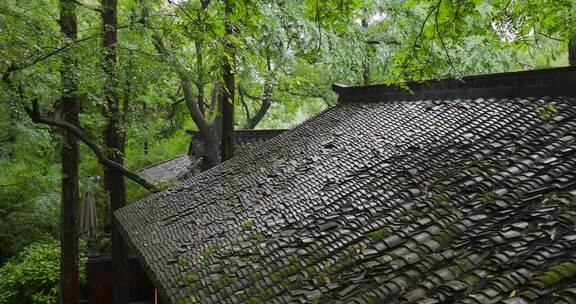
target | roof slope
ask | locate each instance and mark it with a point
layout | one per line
(170, 169)
(434, 201)
(183, 166)
(246, 138)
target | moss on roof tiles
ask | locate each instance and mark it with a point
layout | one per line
(370, 218)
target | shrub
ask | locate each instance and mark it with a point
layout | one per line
(33, 276)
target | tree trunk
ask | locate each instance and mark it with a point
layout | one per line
(227, 142)
(254, 121)
(366, 64)
(366, 74)
(215, 98)
(211, 155)
(198, 45)
(572, 52)
(114, 140)
(266, 97)
(200, 72)
(69, 291)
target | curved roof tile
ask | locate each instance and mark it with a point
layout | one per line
(426, 201)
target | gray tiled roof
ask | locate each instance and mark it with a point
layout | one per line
(430, 201)
(245, 139)
(171, 169)
(183, 166)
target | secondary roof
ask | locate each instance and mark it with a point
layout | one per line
(185, 165)
(383, 200)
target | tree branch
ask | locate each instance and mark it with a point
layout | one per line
(13, 68)
(416, 40)
(260, 114)
(244, 105)
(209, 134)
(441, 39)
(551, 38)
(193, 107)
(264, 106)
(37, 117)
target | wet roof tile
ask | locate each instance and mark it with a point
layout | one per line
(470, 201)
(183, 166)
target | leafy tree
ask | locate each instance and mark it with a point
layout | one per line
(33, 276)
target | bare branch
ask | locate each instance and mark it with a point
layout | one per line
(37, 117)
(551, 38)
(190, 18)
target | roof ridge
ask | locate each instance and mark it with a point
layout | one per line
(534, 83)
(247, 133)
(162, 162)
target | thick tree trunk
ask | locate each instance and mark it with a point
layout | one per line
(211, 155)
(266, 98)
(69, 291)
(200, 72)
(227, 141)
(114, 139)
(572, 52)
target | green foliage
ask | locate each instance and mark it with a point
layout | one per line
(258, 237)
(254, 300)
(557, 274)
(28, 186)
(248, 224)
(33, 276)
(545, 112)
(255, 276)
(379, 234)
(192, 277)
(208, 251)
(275, 277)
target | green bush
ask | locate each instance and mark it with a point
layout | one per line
(33, 276)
